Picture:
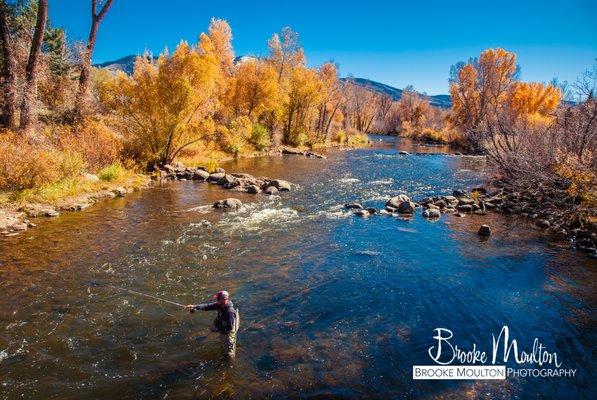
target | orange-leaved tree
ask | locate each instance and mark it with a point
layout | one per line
(167, 105)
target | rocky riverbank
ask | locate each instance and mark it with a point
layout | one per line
(480, 201)
(19, 219)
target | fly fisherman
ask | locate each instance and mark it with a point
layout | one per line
(226, 322)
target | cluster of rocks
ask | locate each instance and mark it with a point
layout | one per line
(238, 182)
(478, 202)
(295, 151)
(20, 220)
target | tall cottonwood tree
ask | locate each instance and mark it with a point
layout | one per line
(31, 68)
(96, 19)
(9, 111)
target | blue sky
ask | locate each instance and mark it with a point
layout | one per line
(394, 42)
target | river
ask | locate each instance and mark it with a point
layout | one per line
(332, 305)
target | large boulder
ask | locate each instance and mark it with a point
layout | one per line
(406, 207)
(215, 177)
(230, 203)
(395, 201)
(280, 184)
(270, 190)
(200, 175)
(228, 181)
(254, 189)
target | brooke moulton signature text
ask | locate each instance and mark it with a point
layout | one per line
(504, 349)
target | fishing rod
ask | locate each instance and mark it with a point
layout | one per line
(98, 283)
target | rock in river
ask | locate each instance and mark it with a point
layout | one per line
(431, 213)
(353, 205)
(395, 201)
(228, 181)
(406, 207)
(216, 176)
(253, 189)
(228, 203)
(270, 190)
(200, 175)
(484, 230)
(280, 184)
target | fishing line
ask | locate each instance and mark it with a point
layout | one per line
(98, 283)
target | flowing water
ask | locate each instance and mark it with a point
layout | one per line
(332, 305)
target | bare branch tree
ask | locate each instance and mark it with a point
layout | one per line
(96, 19)
(31, 68)
(9, 111)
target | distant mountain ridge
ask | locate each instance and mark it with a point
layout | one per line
(439, 100)
(127, 64)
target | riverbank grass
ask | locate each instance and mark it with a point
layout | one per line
(113, 176)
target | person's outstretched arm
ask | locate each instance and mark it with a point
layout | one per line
(203, 307)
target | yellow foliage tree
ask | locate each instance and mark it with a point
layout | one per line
(254, 89)
(304, 93)
(167, 105)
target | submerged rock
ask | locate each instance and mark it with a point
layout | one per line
(403, 152)
(353, 205)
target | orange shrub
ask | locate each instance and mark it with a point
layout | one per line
(96, 143)
(24, 165)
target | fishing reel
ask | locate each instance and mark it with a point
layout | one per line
(192, 310)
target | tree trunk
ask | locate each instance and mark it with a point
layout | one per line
(31, 68)
(9, 111)
(96, 19)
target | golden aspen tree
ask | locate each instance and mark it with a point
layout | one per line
(167, 105)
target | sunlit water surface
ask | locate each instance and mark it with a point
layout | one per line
(331, 304)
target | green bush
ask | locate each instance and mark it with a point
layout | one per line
(112, 172)
(259, 137)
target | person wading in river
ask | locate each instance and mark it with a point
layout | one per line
(226, 322)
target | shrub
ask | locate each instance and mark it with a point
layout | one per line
(259, 137)
(112, 172)
(24, 165)
(341, 136)
(96, 143)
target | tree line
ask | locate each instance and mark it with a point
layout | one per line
(61, 116)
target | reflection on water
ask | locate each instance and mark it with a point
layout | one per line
(331, 304)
